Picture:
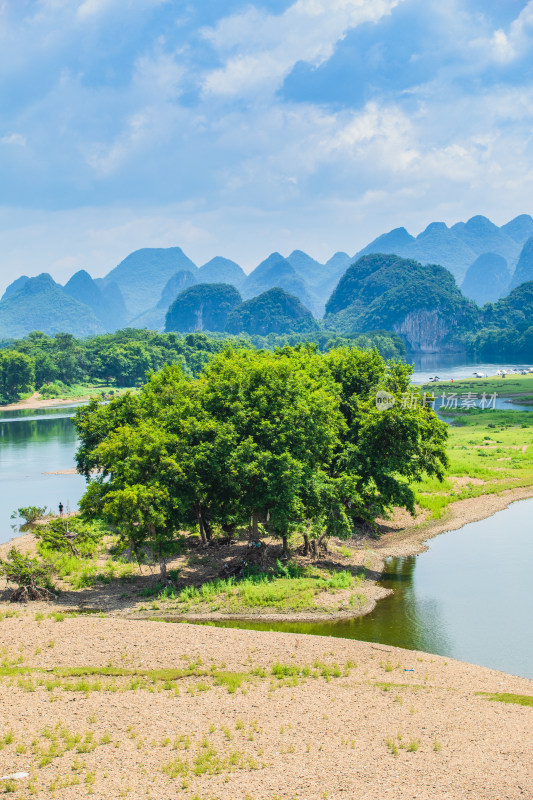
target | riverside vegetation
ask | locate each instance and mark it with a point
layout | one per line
(187, 462)
(65, 367)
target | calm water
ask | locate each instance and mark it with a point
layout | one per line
(31, 444)
(470, 597)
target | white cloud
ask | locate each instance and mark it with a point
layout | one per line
(93, 8)
(506, 46)
(268, 46)
(13, 138)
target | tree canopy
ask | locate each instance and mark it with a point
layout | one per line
(291, 439)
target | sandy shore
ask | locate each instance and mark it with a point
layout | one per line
(344, 719)
(35, 401)
(246, 715)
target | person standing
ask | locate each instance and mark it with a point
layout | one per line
(60, 509)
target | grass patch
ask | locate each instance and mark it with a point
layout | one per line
(489, 451)
(295, 589)
(504, 387)
(503, 697)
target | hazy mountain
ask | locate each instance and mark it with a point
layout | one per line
(154, 319)
(276, 271)
(436, 245)
(520, 228)
(524, 268)
(105, 301)
(338, 261)
(439, 245)
(143, 274)
(334, 269)
(420, 302)
(173, 287)
(483, 236)
(42, 305)
(274, 311)
(487, 279)
(310, 270)
(397, 241)
(455, 248)
(222, 270)
(14, 287)
(204, 307)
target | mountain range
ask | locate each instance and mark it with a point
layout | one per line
(486, 261)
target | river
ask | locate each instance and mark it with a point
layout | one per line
(468, 597)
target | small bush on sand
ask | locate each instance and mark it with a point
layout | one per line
(31, 576)
(29, 513)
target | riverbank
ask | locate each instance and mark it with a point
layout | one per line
(118, 708)
(137, 594)
(84, 394)
(36, 401)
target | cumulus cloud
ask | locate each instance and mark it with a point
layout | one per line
(262, 48)
(176, 132)
(505, 46)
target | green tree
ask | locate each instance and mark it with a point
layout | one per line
(17, 375)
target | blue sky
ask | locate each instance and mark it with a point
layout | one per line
(238, 128)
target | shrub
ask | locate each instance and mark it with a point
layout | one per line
(29, 513)
(31, 576)
(72, 535)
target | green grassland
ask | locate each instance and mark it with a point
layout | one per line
(489, 452)
(505, 387)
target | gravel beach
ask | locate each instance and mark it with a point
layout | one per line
(313, 717)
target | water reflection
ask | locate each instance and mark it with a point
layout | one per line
(469, 596)
(29, 448)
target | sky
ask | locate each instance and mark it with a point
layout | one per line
(239, 128)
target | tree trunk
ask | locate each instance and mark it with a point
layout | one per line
(306, 538)
(201, 525)
(322, 541)
(208, 529)
(285, 540)
(163, 567)
(255, 527)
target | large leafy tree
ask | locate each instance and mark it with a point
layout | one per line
(291, 438)
(285, 411)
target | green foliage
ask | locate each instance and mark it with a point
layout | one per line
(290, 438)
(63, 365)
(379, 291)
(53, 389)
(284, 588)
(274, 311)
(31, 576)
(205, 306)
(506, 329)
(29, 513)
(73, 535)
(17, 375)
(506, 697)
